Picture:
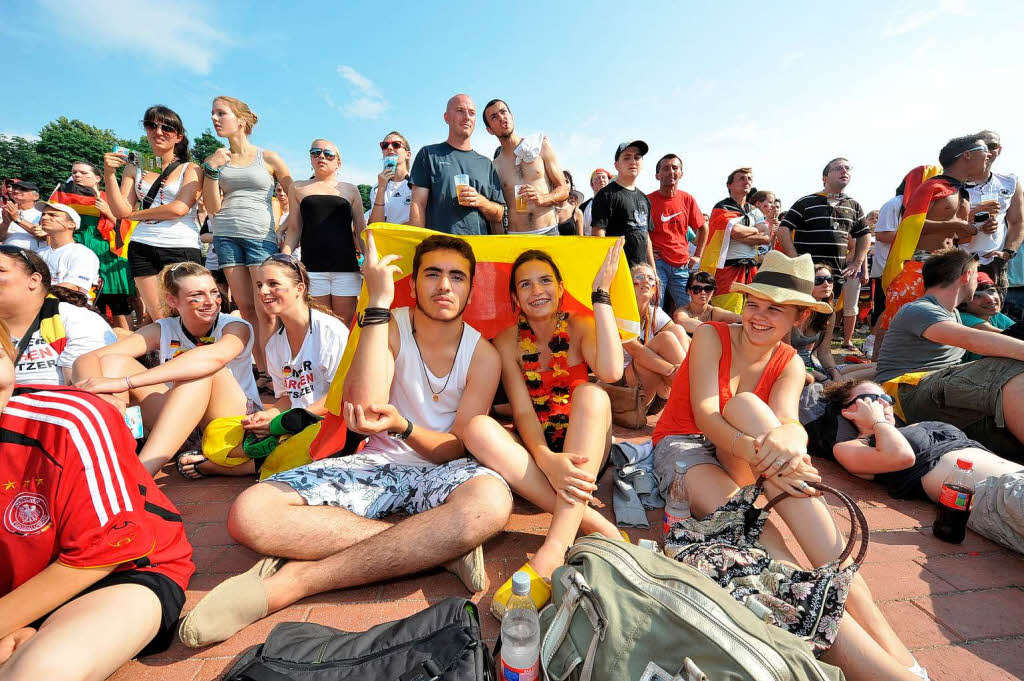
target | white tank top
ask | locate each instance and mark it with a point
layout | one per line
(413, 397)
(180, 232)
(1000, 188)
(174, 340)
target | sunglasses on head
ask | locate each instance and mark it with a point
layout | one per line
(329, 154)
(164, 127)
(18, 251)
(393, 144)
(980, 147)
(706, 288)
(870, 396)
(284, 258)
(819, 280)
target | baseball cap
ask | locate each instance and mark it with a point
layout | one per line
(26, 185)
(75, 217)
(609, 173)
(983, 278)
(639, 144)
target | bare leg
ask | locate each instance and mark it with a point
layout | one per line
(262, 325)
(477, 510)
(1013, 406)
(344, 307)
(861, 658)
(241, 287)
(495, 448)
(149, 293)
(182, 410)
(226, 399)
(864, 372)
(849, 325)
(879, 335)
(88, 638)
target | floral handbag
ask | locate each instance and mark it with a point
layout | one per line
(724, 546)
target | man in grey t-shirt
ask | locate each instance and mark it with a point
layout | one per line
(435, 203)
(984, 398)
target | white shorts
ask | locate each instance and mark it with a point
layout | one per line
(851, 296)
(335, 283)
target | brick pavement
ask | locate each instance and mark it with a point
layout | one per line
(959, 608)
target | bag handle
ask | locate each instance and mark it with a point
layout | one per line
(858, 523)
(577, 594)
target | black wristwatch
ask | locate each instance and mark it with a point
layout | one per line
(404, 435)
(1010, 252)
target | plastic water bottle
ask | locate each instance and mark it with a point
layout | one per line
(955, 500)
(520, 634)
(677, 506)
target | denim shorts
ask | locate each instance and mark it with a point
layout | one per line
(235, 252)
(673, 281)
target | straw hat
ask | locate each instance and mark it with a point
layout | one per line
(785, 280)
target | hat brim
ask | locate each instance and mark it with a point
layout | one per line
(782, 296)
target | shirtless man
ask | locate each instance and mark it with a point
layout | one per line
(535, 166)
(326, 219)
(410, 390)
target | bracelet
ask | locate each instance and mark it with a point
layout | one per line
(379, 204)
(735, 437)
(210, 171)
(128, 382)
(601, 297)
(373, 315)
(877, 422)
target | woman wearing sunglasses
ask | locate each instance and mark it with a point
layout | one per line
(653, 357)
(50, 326)
(326, 219)
(911, 462)
(163, 203)
(238, 184)
(205, 369)
(732, 417)
(391, 198)
(701, 288)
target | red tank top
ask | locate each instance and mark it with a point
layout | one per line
(678, 417)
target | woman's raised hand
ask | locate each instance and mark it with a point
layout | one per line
(605, 275)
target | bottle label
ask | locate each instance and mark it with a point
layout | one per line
(954, 499)
(509, 673)
(671, 520)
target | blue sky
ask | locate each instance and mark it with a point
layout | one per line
(721, 84)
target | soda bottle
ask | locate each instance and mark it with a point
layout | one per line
(677, 506)
(520, 634)
(955, 501)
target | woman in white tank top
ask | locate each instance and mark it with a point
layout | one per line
(238, 185)
(205, 369)
(167, 231)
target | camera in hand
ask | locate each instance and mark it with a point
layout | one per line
(981, 216)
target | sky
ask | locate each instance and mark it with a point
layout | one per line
(723, 85)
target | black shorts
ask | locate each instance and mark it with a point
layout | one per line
(119, 303)
(878, 300)
(170, 595)
(147, 261)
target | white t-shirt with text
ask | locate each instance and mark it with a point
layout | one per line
(307, 376)
(41, 363)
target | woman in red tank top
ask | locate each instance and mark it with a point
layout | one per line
(563, 422)
(732, 417)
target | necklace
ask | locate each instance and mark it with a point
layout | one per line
(205, 339)
(423, 365)
(551, 406)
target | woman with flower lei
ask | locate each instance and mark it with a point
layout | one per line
(562, 421)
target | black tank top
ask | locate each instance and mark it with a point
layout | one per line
(327, 242)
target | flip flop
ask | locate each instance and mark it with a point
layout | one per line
(193, 472)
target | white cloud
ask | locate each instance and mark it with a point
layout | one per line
(915, 20)
(367, 102)
(31, 137)
(185, 38)
(791, 58)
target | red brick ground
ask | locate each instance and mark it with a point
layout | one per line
(959, 608)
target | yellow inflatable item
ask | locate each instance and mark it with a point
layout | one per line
(224, 435)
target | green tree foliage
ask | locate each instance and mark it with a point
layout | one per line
(364, 191)
(203, 145)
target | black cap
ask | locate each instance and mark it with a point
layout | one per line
(25, 184)
(639, 144)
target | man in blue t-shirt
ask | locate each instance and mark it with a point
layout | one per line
(435, 203)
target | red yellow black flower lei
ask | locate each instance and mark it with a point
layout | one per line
(552, 408)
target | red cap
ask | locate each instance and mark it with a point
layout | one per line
(985, 279)
(965, 464)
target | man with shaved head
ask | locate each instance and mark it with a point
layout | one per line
(476, 208)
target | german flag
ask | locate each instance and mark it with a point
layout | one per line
(83, 200)
(921, 186)
(724, 216)
(489, 310)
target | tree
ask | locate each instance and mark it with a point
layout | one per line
(364, 191)
(204, 145)
(18, 158)
(64, 141)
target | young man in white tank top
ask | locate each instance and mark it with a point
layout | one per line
(410, 390)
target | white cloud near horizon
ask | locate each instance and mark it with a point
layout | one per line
(185, 39)
(367, 102)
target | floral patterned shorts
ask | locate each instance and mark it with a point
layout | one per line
(371, 486)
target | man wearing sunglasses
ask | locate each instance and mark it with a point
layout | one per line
(475, 208)
(531, 178)
(19, 217)
(920, 361)
(911, 462)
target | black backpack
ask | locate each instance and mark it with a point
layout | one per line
(441, 643)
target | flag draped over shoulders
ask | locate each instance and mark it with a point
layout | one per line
(83, 201)
(489, 309)
(724, 216)
(922, 186)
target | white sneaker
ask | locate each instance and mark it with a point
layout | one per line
(918, 670)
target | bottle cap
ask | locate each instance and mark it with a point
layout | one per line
(680, 468)
(964, 464)
(521, 583)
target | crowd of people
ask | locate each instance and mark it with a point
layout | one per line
(236, 297)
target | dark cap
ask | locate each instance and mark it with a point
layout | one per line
(25, 184)
(639, 144)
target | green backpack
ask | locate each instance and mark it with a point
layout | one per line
(626, 613)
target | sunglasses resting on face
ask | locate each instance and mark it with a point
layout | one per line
(164, 127)
(870, 396)
(394, 144)
(707, 288)
(316, 152)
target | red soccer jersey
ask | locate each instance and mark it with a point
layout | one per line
(72, 490)
(670, 218)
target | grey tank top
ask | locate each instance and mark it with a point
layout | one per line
(245, 211)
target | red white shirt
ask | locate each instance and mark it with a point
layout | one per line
(73, 491)
(671, 217)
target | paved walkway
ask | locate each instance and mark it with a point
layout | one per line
(959, 608)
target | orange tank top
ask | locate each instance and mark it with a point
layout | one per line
(678, 417)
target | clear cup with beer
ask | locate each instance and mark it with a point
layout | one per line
(521, 203)
(461, 180)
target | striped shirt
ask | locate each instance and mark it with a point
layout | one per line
(823, 229)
